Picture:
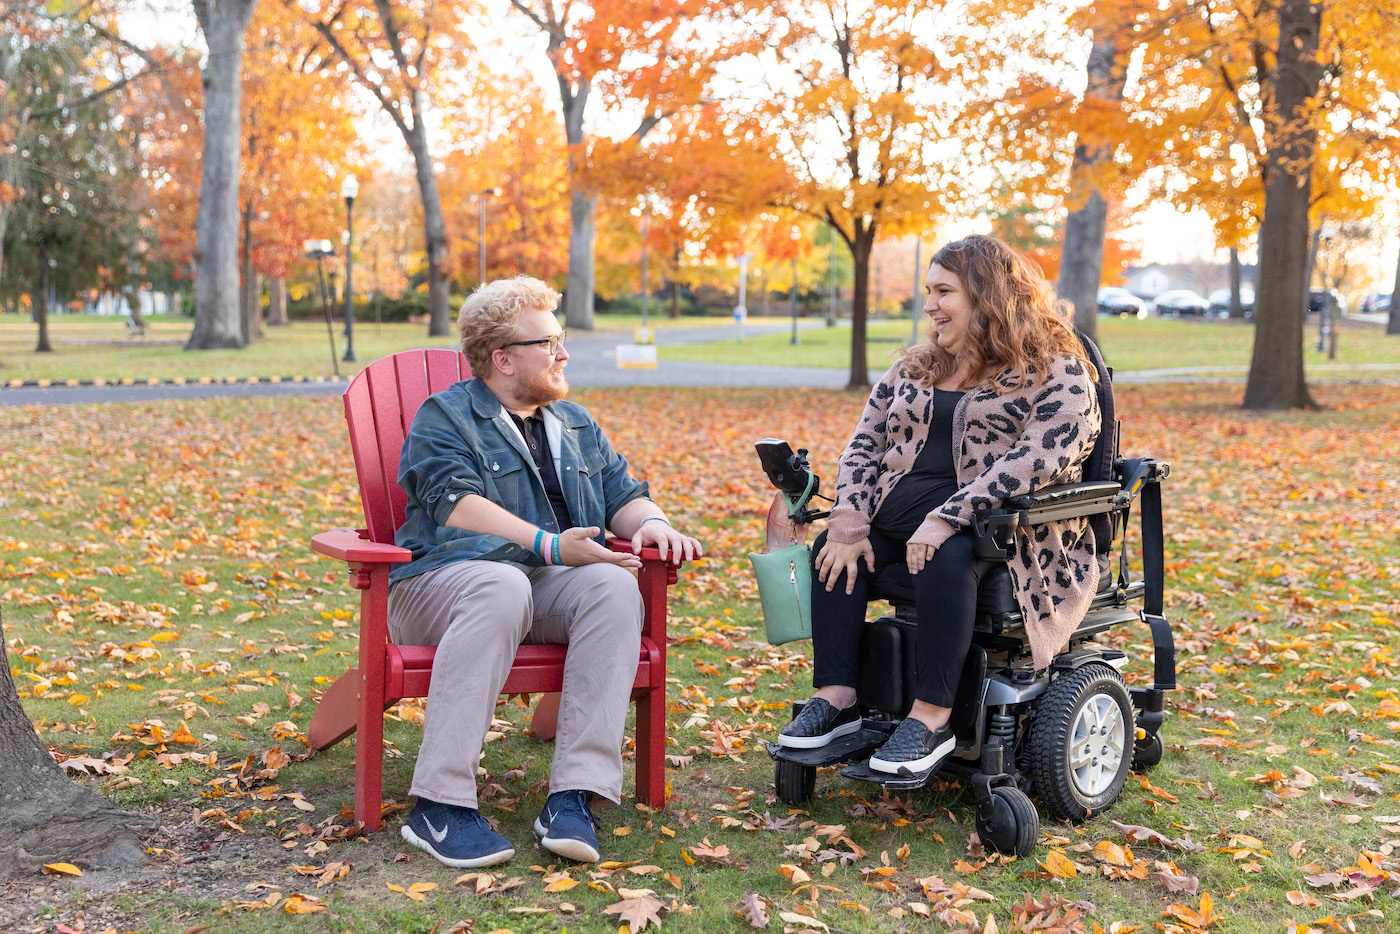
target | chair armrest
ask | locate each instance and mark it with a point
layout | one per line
(351, 545)
(649, 552)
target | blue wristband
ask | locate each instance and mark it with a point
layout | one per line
(555, 551)
(649, 518)
(539, 536)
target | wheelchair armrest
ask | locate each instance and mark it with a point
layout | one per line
(1068, 500)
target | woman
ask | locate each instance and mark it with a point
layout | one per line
(998, 402)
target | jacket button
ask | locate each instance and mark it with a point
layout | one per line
(495, 466)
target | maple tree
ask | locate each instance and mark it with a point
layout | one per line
(403, 52)
(855, 115)
(217, 315)
(655, 59)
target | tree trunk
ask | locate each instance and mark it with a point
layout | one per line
(1236, 306)
(440, 323)
(46, 817)
(216, 316)
(247, 298)
(1392, 325)
(583, 239)
(861, 248)
(1081, 258)
(41, 307)
(277, 303)
(1276, 379)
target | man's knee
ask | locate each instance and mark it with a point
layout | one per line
(613, 587)
(500, 595)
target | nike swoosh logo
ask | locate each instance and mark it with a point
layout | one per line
(437, 835)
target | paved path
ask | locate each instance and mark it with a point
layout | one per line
(593, 362)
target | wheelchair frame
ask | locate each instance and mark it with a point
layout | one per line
(1019, 731)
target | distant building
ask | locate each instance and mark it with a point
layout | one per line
(1202, 277)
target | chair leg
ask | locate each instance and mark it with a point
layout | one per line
(544, 721)
(369, 757)
(651, 747)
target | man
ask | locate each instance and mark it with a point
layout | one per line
(509, 490)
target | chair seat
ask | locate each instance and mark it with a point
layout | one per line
(537, 669)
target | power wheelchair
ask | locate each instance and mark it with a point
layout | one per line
(1068, 734)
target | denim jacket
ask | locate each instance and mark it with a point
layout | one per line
(462, 441)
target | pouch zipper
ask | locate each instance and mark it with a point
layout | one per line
(792, 576)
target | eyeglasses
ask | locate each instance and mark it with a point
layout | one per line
(553, 342)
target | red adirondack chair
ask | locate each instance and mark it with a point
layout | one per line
(380, 404)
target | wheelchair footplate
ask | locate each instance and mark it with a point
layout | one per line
(906, 781)
(849, 748)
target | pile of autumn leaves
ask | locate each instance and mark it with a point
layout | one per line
(1282, 582)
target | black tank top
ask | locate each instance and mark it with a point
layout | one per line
(932, 480)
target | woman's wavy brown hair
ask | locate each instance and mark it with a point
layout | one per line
(1016, 323)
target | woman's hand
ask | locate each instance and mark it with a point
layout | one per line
(916, 556)
(837, 558)
(577, 547)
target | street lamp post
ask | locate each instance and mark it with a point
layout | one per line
(481, 238)
(918, 289)
(792, 291)
(320, 251)
(348, 190)
(741, 311)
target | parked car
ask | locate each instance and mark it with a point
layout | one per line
(1326, 298)
(1220, 302)
(1375, 303)
(1115, 301)
(1178, 302)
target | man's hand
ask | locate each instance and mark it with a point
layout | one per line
(837, 558)
(672, 544)
(577, 547)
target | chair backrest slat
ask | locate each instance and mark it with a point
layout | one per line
(380, 404)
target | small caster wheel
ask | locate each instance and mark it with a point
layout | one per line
(1147, 752)
(1008, 823)
(794, 782)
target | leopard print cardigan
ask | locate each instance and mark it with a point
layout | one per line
(1007, 444)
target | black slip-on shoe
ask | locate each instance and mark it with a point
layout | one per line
(818, 724)
(914, 748)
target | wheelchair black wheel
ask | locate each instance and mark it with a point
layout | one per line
(1081, 740)
(1007, 822)
(794, 782)
(1147, 752)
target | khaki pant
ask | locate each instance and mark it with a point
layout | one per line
(477, 613)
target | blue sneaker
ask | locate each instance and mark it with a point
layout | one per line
(455, 836)
(567, 826)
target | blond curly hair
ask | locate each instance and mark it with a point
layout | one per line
(1017, 323)
(491, 314)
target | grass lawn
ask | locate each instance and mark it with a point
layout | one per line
(1127, 343)
(165, 618)
(90, 346)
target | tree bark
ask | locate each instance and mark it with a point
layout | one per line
(862, 246)
(46, 817)
(1081, 258)
(277, 303)
(1236, 306)
(217, 322)
(40, 303)
(1392, 325)
(1276, 379)
(440, 321)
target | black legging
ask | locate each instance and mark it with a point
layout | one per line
(945, 609)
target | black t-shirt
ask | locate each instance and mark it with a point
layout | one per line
(933, 479)
(532, 429)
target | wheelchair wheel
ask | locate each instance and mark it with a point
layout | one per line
(1147, 752)
(1007, 822)
(794, 782)
(1080, 742)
